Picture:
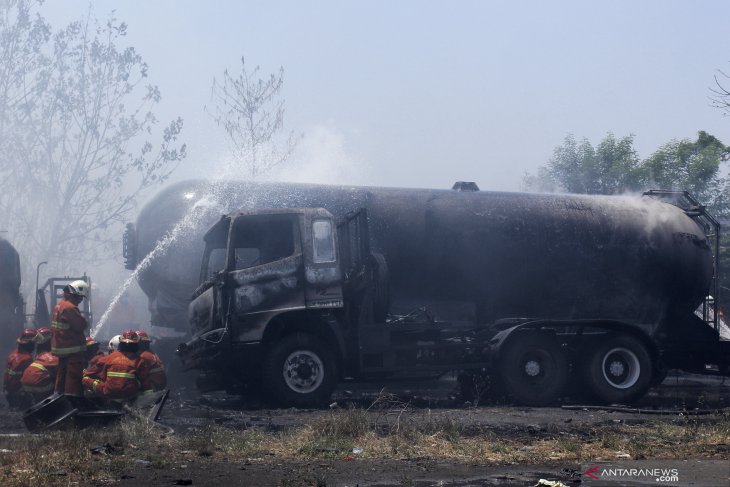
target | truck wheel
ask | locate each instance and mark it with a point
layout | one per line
(619, 371)
(300, 371)
(532, 369)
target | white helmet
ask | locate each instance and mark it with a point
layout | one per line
(114, 343)
(78, 288)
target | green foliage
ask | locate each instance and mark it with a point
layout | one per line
(613, 167)
(609, 168)
(692, 166)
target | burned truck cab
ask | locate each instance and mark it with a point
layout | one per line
(262, 271)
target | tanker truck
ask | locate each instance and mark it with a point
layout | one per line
(11, 301)
(297, 287)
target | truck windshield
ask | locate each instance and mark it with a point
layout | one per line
(262, 239)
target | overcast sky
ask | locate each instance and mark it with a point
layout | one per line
(417, 93)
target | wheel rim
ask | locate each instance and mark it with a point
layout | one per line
(536, 366)
(532, 368)
(303, 371)
(621, 368)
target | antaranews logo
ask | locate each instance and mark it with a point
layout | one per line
(592, 472)
(612, 473)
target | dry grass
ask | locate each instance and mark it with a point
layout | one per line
(385, 430)
(66, 457)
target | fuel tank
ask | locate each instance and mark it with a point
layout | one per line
(470, 255)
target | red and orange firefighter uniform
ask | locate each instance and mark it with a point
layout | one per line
(93, 354)
(94, 368)
(69, 339)
(39, 378)
(119, 379)
(151, 370)
(16, 363)
(93, 371)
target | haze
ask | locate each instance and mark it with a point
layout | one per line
(416, 93)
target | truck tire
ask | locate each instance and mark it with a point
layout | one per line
(300, 371)
(381, 278)
(619, 370)
(532, 369)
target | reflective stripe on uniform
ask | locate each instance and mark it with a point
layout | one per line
(13, 372)
(68, 350)
(39, 366)
(147, 392)
(59, 325)
(126, 375)
(156, 369)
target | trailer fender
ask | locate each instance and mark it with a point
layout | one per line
(574, 341)
(498, 341)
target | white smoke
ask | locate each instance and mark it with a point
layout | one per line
(322, 157)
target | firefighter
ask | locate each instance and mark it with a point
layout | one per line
(119, 378)
(39, 378)
(17, 362)
(94, 369)
(93, 374)
(93, 354)
(151, 370)
(69, 339)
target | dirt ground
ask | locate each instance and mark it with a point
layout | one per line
(417, 403)
(424, 401)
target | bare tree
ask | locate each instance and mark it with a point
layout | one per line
(251, 111)
(22, 39)
(720, 93)
(78, 110)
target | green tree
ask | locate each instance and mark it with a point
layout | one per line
(614, 167)
(693, 166)
(609, 168)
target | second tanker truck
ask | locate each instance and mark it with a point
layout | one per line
(12, 307)
(306, 285)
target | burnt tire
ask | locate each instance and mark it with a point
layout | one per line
(300, 371)
(532, 369)
(618, 371)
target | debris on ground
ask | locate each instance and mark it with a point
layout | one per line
(549, 483)
(106, 449)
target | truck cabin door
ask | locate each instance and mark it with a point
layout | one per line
(264, 270)
(323, 273)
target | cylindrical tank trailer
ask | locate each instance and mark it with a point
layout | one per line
(508, 254)
(632, 264)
